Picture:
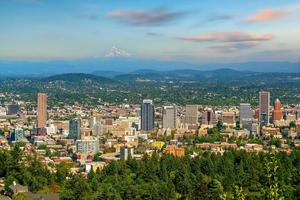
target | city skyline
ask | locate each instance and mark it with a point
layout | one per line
(87, 140)
(167, 30)
(159, 100)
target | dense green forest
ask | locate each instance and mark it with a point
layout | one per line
(222, 87)
(234, 175)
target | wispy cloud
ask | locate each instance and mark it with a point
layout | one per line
(233, 47)
(219, 17)
(90, 16)
(154, 17)
(226, 42)
(228, 37)
(267, 15)
(214, 18)
(153, 34)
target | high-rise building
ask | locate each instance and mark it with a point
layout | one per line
(255, 130)
(247, 124)
(74, 128)
(41, 110)
(169, 117)
(256, 113)
(17, 135)
(126, 152)
(13, 109)
(147, 115)
(264, 108)
(208, 117)
(98, 129)
(277, 113)
(191, 114)
(298, 115)
(2, 111)
(90, 145)
(228, 117)
(245, 112)
(92, 121)
(298, 127)
(246, 116)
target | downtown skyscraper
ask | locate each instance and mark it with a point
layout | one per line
(208, 117)
(169, 115)
(74, 129)
(277, 112)
(191, 114)
(264, 108)
(41, 110)
(245, 112)
(147, 115)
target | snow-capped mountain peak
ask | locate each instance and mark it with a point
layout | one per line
(116, 52)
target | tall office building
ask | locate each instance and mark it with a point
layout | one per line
(208, 117)
(13, 109)
(74, 128)
(41, 110)
(98, 129)
(147, 115)
(245, 112)
(191, 114)
(90, 145)
(92, 121)
(17, 135)
(298, 114)
(228, 118)
(277, 113)
(169, 117)
(126, 152)
(264, 108)
(2, 111)
(256, 113)
(246, 116)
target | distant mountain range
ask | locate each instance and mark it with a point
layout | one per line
(116, 65)
(185, 74)
(179, 86)
(220, 75)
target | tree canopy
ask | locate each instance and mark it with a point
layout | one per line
(233, 175)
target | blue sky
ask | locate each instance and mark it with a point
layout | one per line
(196, 31)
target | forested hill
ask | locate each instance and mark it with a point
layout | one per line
(189, 74)
(78, 77)
(219, 87)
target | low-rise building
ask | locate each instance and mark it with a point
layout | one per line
(94, 166)
(269, 131)
(175, 151)
(157, 145)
